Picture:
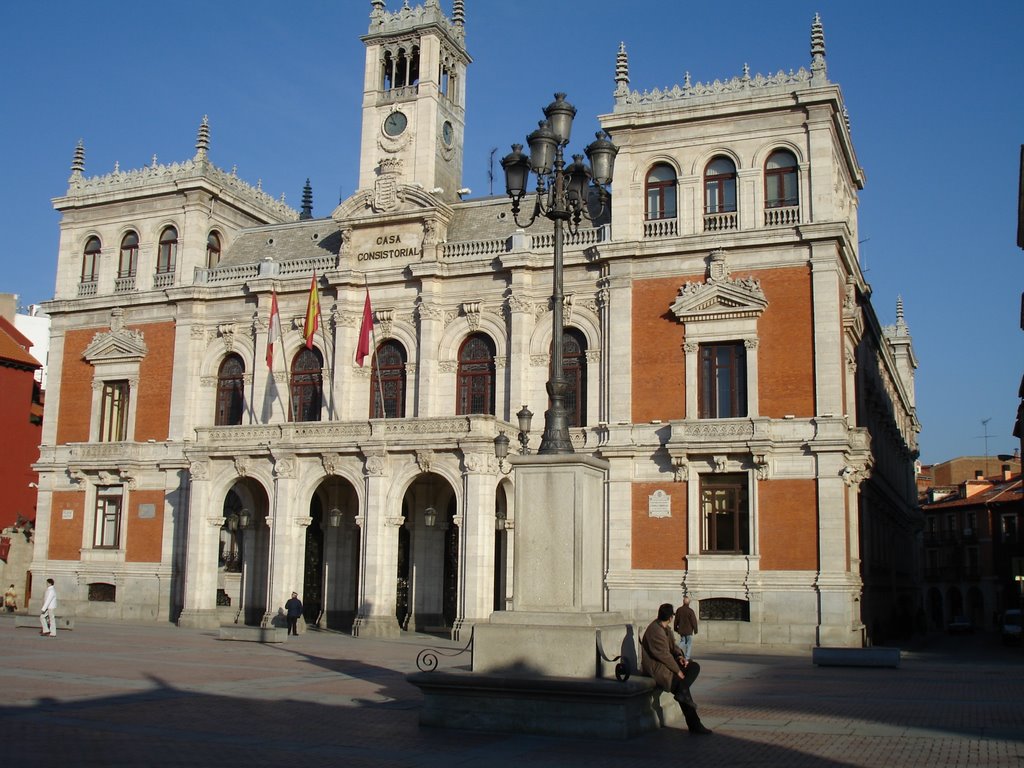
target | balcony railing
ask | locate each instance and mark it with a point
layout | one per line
(87, 288)
(655, 228)
(721, 222)
(124, 284)
(163, 279)
(785, 216)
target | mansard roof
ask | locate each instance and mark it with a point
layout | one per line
(306, 239)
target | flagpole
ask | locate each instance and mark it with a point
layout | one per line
(327, 346)
(373, 357)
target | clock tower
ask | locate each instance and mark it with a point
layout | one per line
(414, 97)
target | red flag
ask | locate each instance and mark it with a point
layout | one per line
(273, 330)
(312, 313)
(365, 328)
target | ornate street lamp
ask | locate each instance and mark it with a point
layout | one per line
(562, 196)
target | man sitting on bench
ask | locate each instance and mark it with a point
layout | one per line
(662, 659)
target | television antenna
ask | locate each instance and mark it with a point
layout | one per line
(984, 426)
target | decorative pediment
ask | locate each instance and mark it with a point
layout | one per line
(720, 296)
(119, 344)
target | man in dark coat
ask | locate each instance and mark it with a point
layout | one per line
(662, 660)
(686, 626)
(294, 610)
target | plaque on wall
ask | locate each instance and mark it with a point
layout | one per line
(147, 511)
(67, 514)
(659, 504)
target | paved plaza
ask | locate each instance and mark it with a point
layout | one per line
(110, 694)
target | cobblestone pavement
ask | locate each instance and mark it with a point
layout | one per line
(110, 694)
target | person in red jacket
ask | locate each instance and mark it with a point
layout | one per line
(662, 660)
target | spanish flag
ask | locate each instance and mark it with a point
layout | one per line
(312, 313)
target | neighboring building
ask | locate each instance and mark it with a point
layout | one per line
(972, 536)
(35, 325)
(955, 471)
(724, 355)
(21, 418)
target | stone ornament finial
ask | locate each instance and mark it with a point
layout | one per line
(459, 13)
(203, 139)
(622, 71)
(307, 201)
(818, 47)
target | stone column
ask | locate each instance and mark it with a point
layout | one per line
(204, 524)
(287, 540)
(379, 556)
(476, 543)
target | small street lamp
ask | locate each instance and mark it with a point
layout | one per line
(562, 196)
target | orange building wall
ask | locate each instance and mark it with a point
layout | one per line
(659, 543)
(153, 394)
(75, 389)
(66, 535)
(659, 381)
(785, 353)
(788, 524)
(144, 536)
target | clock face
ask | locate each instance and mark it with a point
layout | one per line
(447, 133)
(395, 123)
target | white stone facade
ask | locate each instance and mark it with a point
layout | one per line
(408, 522)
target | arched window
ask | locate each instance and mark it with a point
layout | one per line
(129, 261)
(230, 391)
(91, 260)
(660, 193)
(475, 390)
(574, 369)
(307, 388)
(388, 381)
(212, 249)
(780, 180)
(720, 186)
(167, 252)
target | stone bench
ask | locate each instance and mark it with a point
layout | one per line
(856, 657)
(254, 634)
(63, 622)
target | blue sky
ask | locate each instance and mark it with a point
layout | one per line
(934, 95)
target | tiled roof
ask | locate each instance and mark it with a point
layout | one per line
(12, 353)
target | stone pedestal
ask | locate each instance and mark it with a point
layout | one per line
(548, 665)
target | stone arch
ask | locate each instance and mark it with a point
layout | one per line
(643, 167)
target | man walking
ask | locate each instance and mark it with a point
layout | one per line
(48, 613)
(686, 627)
(662, 660)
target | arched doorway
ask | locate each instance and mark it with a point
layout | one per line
(331, 566)
(428, 557)
(244, 555)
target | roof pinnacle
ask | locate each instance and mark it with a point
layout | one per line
(622, 71)
(307, 201)
(203, 139)
(459, 13)
(818, 47)
(78, 163)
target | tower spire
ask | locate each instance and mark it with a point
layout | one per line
(818, 48)
(307, 202)
(459, 13)
(621, 73)
(203, 139)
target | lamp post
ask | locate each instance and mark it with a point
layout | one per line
(562, 196)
